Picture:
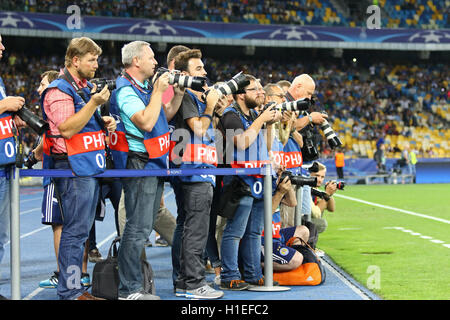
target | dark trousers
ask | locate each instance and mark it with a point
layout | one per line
(340, 172)
(196, 208)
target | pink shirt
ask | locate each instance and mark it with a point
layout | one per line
(58, 107)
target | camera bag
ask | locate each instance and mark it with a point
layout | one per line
(231, 197)
(310, 273)
(105, 276)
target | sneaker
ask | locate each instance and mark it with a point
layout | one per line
(85, 280)
(50, 283)
(235, 285)
(160, 242)
(148, 243)
(205, 292)
(140, 296)
(261, 283)
(95, 256)
(217, 280)
(179, 292)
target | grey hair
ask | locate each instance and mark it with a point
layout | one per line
(131, 50)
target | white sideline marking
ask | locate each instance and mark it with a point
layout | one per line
(392, 208)
(418, 234)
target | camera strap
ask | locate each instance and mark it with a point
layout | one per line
(68, 77)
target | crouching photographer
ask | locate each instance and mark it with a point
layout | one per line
(285, 257)
(322, 201)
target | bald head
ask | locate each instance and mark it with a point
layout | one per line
(303, 86)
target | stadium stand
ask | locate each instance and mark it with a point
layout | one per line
(424, 14)
(407, 104)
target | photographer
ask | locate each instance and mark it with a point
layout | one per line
(319, 205)
(195, 193)
(243, 230)
(8, 105)
(71, 112)
(143, 144)
(285, 258)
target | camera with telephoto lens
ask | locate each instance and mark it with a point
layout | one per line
(101, 83)
(235, 85)
(339, 184)
(175, 77)
(32, 120)
(309, 150)
(299, 180)
(31, 160)
(333, 140)
(297, 105)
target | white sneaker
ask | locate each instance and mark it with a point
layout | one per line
(140, 296)
(319, 253)
(205, 292)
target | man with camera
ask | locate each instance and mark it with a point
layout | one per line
(249, 150)
(8, 105)
(195, 150)
(322, 200)
(75, 141)
(142, 143)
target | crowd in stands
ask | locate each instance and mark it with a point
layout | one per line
(406, 104)
(424, 14)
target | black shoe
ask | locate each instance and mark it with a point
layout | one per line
(260, 283)
(3, 297)
(235, 285)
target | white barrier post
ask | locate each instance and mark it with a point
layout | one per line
(15, 234)
(298, 208)
(268, 262)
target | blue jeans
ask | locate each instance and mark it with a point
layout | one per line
(247, 224)
(142, 201)
(5, 214)
(79, 198)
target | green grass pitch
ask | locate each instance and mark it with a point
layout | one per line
(398, 255)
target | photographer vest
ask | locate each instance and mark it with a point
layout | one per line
(276, 226)
(7, 140)
(198, 152)
(86, 149)
(255, 156)
(293, 157)
(156, 142)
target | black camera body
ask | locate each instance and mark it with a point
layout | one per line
(101, 83)
(175, 77)
(299, 180)
(32, 120)
(309, 150)
(320, 194)
(31, 160)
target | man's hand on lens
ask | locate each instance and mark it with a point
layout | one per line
(12, 103)
(110, 123)
(330, 188)
(162, 83)
(285, 186)
(101, 97)
(268, 114)
(19, 122)
(221, 105)
(212, 98)
(318, 118)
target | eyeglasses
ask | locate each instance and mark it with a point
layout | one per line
(281, 96)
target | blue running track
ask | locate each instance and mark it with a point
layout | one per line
(38, 261)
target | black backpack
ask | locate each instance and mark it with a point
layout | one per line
(105, 276)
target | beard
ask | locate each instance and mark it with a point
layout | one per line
(251, 103)
(86, 75)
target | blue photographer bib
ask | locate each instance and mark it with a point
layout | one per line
(7, 139)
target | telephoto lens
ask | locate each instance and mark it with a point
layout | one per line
(101, 83)
(299, 180)
(234, 85)
(333, 140)
(32, 120)
(340, 185)
(194, 83)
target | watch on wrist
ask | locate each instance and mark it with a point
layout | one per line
(310, 119)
